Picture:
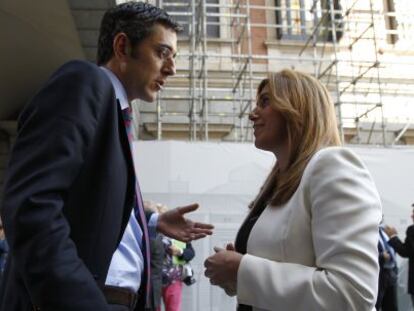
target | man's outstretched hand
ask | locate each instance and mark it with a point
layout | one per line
(174, 225)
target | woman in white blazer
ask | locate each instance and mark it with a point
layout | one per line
(310, 240)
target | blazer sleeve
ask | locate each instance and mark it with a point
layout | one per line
(380, 255)
(405, 249)
(345, 215)
(54, 133)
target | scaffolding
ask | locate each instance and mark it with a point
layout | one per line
(355, 47)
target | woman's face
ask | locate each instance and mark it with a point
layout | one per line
(268, 124)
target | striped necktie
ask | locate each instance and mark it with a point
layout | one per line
(139, 210)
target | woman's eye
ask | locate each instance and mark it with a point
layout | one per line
(264, 102)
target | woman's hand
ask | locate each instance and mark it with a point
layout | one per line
(222, 268)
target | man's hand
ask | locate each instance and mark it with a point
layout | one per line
(222, 268)
(390, 231)
(386, 256)
(174, 225)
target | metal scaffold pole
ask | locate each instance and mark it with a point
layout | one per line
(377, 63)
(337, 81)
(204, 70)
(192, 69)
(249, 64)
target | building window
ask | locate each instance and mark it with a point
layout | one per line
(295, 20)
(390, 21)
(291, 19)
(181, 11)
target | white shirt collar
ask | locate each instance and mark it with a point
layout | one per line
(120, 92)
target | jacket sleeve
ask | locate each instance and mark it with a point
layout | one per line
(405, 249)
(380, 255)
(345, 214)
(54, 133)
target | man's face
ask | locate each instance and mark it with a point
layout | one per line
(149, 64)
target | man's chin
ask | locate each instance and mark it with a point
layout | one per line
(150, 98)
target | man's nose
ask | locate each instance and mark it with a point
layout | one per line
(169, 67)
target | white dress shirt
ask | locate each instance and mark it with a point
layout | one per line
(127, 262)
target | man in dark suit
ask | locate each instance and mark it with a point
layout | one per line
(72, 209)
(388, 275)
(405, 249)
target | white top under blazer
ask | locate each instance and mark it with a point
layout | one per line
(319, 250)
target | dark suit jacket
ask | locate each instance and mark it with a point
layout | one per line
(68, 193)
(406, 250)
(381, 261)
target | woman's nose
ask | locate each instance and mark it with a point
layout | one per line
(253, 115)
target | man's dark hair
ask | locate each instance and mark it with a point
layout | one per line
(136, 20)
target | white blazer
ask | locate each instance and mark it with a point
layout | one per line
(318, 251)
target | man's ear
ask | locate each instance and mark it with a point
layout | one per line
(121, 46)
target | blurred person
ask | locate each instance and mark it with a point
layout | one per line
(388, 275)
(310, 239)
(157, 259)
(177, 254)
(405, 249)
(72, 208)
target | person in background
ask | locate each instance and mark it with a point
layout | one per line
(388, 276)
(405, 249)
(310, 239)
(157, 259)
(177, 254)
